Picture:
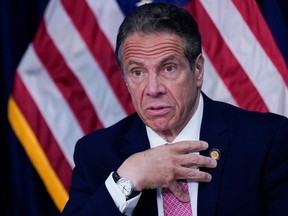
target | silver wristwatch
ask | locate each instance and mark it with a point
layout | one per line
(126, 186)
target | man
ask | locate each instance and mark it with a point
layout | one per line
(235, 161)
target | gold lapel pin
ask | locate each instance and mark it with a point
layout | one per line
(215, 154)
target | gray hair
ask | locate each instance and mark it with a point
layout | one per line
(162, 18)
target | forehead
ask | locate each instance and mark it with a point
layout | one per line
(138, 44)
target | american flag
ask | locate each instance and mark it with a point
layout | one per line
(68, 83)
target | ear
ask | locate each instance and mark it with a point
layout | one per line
(199, 70)
(127, 85)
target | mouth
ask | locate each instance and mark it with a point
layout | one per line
(158, 110)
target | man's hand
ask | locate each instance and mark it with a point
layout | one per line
(164, 165)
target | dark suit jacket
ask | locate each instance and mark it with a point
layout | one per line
(251, 177)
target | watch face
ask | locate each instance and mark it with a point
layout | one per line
(125, 186)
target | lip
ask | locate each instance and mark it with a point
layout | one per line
(157, 110)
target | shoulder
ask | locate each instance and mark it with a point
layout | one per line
(239, 115)
(107, 137)
(243, 122)
(235, 114)
(104, 145)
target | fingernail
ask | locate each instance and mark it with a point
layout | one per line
(209, 178)
(214, 163)
(205, 144)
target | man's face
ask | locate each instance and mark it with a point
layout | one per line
(164, 89)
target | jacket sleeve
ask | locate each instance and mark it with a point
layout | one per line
(88, 195)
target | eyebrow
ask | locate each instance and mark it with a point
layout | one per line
(163, 61)
(131, 62)
(168, 58)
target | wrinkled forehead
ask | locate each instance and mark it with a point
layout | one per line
(151, 41)
(151, 45)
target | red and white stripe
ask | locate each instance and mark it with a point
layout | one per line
(245, 59)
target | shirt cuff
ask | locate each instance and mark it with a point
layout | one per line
(125, 206)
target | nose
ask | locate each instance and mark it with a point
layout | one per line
(154, 86)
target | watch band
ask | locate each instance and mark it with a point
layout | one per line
(115, 176)
(134, 193)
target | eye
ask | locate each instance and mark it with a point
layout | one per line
(169, 68)
(137, 73)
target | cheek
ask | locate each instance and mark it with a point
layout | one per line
(136, 96)
(184, 94)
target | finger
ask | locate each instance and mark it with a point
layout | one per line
(186, 147)
(193, 174)
(197, 160)
(175, 188)
(200, 176)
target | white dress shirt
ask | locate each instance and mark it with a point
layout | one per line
(190, 132)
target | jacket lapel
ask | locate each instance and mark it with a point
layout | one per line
(136, 140)
(214, 131)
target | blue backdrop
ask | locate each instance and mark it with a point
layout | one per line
(22, 192)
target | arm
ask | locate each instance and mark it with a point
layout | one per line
(87, 196)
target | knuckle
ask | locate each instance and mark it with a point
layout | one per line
(192, 173)
(195, 159)
(187, 146)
